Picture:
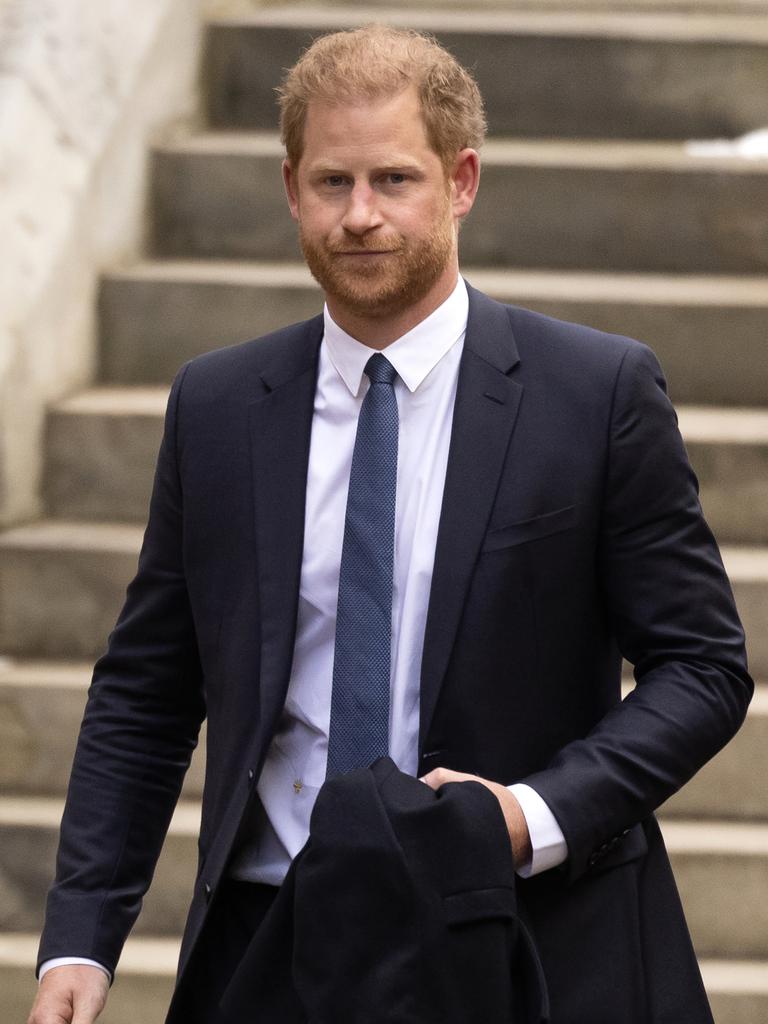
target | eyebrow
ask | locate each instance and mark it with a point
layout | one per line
(323, 170)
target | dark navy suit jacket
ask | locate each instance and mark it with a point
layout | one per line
(571, 534)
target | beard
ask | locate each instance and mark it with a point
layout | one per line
(379, 286)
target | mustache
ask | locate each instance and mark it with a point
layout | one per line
(382, 246)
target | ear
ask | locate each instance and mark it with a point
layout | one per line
(291, 185)
(465, 179)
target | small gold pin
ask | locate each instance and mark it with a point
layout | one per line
(297, 785)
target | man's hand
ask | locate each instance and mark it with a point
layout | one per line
(72, 994)
(513, 815)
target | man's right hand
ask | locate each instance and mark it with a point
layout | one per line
(71, 994)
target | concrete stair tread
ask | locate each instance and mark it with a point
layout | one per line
(735, 975)
(45, 674)
(734, 838)
(53, 534)
(673, 289)
(620, 154)
(602, 154)
(115, 401)
(723, 426)
(745, 564)
(655, 24)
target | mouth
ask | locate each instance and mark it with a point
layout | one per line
(366, 252)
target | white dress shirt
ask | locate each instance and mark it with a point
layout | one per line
(427, 364)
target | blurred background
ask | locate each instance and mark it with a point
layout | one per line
(625, 185)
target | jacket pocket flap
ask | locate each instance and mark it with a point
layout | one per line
(480, 905)
(531, 529)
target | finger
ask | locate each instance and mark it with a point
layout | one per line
(439, 776)
(433, 779)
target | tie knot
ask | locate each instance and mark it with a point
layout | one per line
(379, 370)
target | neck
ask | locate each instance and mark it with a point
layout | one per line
(379, 332)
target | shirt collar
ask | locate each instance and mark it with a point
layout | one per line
(414, 355)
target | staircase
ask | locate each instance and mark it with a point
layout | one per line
(592, 208)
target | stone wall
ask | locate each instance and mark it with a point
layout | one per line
(84, 86)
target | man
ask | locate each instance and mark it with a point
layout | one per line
(533, 518)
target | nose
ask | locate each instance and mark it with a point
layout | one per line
(361, 213)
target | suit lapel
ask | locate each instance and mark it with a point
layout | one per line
(486, 408)
(280, 428)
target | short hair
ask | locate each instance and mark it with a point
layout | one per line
(378, 61)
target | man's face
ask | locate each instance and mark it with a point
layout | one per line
(376, 210)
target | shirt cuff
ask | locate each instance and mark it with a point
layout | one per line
(547, 840)
(70, 961)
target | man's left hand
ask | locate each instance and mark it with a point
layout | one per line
(513, 815)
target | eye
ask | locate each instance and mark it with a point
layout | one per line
(334, 180)
(396, 177)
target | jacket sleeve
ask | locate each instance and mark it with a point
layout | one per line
(671, 610)
(141, 722)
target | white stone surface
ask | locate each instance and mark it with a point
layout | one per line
(84, 85)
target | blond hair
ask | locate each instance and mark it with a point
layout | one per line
(378, 61)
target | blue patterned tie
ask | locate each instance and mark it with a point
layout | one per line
(359, 730)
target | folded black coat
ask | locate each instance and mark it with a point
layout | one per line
(400, 909)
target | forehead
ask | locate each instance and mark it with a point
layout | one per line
(366, 129)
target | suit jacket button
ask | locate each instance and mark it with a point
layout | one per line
(207, 890)
(251, 774)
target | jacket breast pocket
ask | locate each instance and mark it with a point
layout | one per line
(534, 528)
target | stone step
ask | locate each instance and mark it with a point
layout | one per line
(729, 451)
(721, 871)
(35, 759)
(62, 584)
(574, 73)
(141, 992)
(30, 825)
(100, 453)
(575, 205)
(102, 446)
(158, 314)
(732, 785)
(738, 989)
